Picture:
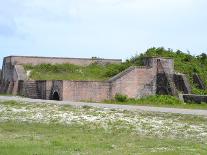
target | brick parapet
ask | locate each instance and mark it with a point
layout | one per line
(20, 60)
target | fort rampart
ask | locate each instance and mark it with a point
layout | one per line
(157, 76)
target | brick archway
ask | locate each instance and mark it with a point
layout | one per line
(56, 96)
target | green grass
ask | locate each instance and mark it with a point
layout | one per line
(134, 132)
(55, 139)
(159, 101)
(74, 72)
(5, 94)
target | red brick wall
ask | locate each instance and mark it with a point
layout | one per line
(49, 87)
(131, 84)
(19, 60)
(134, 82)
(85, 90)
(167, 64)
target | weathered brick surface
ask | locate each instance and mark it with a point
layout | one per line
(189, 98)
(167, 64)
(15, 88)
(181, 83)
(85, 90)
(48, 91)
(19, 60)
(198, 81)
(134, 83)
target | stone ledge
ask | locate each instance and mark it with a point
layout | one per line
(13, 56)
(189, 98)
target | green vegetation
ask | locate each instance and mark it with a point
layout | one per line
(74, 72)
(121, 98)
(158, 101)
(44, 129)
(55, 139)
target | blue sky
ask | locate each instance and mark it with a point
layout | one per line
(103, 28)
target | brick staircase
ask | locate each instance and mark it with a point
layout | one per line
(31, 90)
(182, 83)
(197, 79)
(171, 85)
(165, 81)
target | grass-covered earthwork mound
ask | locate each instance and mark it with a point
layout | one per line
(74, 72)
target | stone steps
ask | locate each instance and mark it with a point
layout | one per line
(32, 90)
(197, 79)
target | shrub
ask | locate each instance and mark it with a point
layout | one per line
(121, 97)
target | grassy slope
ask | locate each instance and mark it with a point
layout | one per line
(74, 72)
(152, 133)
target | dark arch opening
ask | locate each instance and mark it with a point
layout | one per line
(55, 96)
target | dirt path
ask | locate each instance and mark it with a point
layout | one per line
(110, 106)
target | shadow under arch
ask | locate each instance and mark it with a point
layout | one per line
(55, 96)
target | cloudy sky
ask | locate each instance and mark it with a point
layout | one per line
(103, 28)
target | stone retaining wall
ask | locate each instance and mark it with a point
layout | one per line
(189, 98)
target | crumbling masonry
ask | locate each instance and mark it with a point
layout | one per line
(156, 77)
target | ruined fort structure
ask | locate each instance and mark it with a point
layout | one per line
(157, 76)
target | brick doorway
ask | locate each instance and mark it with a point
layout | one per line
(56, 96)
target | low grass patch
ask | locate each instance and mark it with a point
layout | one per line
(5, 94)
(158, 101)
(48, 129)
(11, 103)
(55, 139)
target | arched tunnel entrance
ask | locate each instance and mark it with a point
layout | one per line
(55, 96)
